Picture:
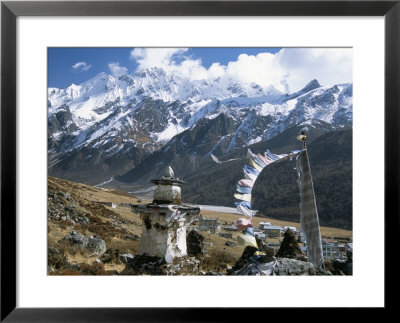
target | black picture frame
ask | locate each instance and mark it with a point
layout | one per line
(10, 10)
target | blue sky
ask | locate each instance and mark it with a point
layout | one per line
(288, 69)
(61, 61)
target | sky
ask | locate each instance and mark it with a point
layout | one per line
(288, 69)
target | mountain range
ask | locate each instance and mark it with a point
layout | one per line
(128, 128)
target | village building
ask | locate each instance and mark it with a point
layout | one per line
(263, 224)
(273, 231)
(332, 250)
(209, 224)
(327, 249)
(231, 227)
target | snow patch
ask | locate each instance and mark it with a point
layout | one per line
(105, 182)
(166, 135)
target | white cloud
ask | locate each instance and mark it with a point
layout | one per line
(172, 60)
(116, 69)
(81, 67)
(288, 70)
(161, 57)
(328, 65)
(261, 69)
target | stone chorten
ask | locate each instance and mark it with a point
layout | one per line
(165, 220)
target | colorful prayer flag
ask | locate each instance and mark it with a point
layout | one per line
(243, 197)
(247, 240)
(242, 223)
(243, 189)
(246, 182)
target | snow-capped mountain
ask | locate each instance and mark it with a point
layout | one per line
(108, 125)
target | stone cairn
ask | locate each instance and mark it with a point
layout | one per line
(165, 220)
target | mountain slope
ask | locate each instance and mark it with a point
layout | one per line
(276, 192)
(109, 125)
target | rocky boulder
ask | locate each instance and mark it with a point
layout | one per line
(279, 267)
(248, 252)
(342, 267)
(194, 243)
(60, 206)
(293, 267)
(144, 265)
(289, 247)
(95, 246)
(230, 243)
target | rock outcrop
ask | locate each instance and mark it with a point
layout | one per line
(194, 243)
(62, 207)
(95, 246)
(289, 246)
(279, 267)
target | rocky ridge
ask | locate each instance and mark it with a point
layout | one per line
(106, 126)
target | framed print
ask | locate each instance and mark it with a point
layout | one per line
(191, 72)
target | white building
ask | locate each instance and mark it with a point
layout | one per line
(263, 224)
(208, 224)
(273, 231)
(333, 250)
(327, 249)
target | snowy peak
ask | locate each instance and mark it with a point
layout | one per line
(132, 116)
(312, 85)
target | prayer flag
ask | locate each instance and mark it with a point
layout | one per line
(309, 221)
(255, 165)
(248, 231)
(242, 223)
(251, 170)
(259, 162)
(243, 189)
(247, 240)
(241, 209)
(243, 197)
(262, 158)
(249, 176)
(246, 182)
(244, 203)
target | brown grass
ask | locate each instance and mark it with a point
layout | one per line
(102, 216)
(94, 269)
(217, 260)
(124, 246)
(66, 272)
